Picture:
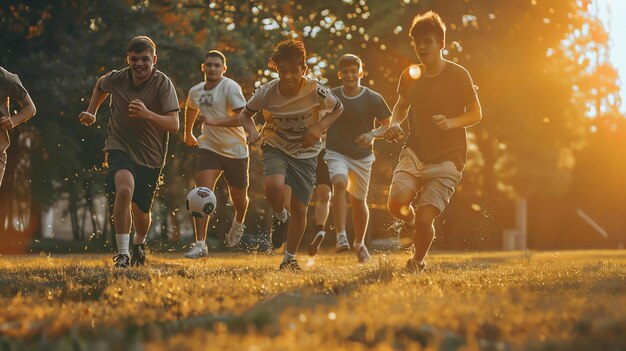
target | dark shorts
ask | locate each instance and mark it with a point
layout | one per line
(321, 173)
(299, 173)
(235, 169)
(146, 179)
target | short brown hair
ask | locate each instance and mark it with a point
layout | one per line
(288, 50)
(216, 53)
(350, 60)
(141, 43)
(428, 23)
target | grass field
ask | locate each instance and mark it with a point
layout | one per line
(489, 301)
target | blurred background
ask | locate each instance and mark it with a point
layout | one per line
(546, 166)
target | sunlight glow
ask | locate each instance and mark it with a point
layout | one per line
(613, 14)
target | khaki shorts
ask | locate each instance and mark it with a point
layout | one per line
(358, 172)
(436, 180)
(4, 145)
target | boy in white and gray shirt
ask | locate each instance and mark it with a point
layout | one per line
(297, 110)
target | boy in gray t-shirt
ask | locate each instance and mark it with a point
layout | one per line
(11, 88)
(349, 153)
(298, 110)
(144, 109)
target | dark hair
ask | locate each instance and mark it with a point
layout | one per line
(350, 60)
(291, 49)
(141, 43)
(216, 53)
(428, 23)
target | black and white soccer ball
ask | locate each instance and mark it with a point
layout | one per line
(201, 202)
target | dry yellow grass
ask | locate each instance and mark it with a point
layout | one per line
(491, 301)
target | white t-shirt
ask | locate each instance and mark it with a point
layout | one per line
(220, 102)
(286, 117)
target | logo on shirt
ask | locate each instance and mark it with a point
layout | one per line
(322, 92)
(206, 99)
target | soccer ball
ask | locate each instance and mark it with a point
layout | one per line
(201, 202)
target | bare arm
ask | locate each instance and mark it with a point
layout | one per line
(329, 119)
(473, 115)
(246, 121)
(398, 114)
(191, 114)
(97, 98)
(365, 140)
(314, 133)
(167, 122)
(27, 110)
(225, 122)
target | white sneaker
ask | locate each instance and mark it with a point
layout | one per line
(342, 243)
(198, 251)
(234, 234)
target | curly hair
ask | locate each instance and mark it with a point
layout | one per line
(288, 50)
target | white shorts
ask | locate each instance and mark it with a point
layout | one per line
(358, 172)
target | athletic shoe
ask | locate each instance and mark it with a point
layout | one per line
(197, 251)
(413, 267)
(138, 257)
(121, 260)
(342, 243)
(405, 236)
(314, 247)
(291, 264)
(363, 255)
(278, 232)
(234, 234)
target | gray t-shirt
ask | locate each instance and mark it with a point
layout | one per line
(144, 143)
(357, 118)
(450, 94)
(10, 88)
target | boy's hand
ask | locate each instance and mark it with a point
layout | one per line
(365, 140)
(87, 118)
(137, 109)
(393, 133)
(254, 138)
(312, 136)
(442, 122)
(6, 123)
(190, 140)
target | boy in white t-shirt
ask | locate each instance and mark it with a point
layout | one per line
(298, 110)
(222, 144)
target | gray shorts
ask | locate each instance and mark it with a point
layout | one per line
(436, 180)
(299, 173)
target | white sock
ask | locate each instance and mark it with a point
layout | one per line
(357, 246)
(236, 224)
(122, 241)
(200, 242)
(341, 233)
(287, 256)
(321, 232)
(282, 216)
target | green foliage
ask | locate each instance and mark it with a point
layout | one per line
(523, 56)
